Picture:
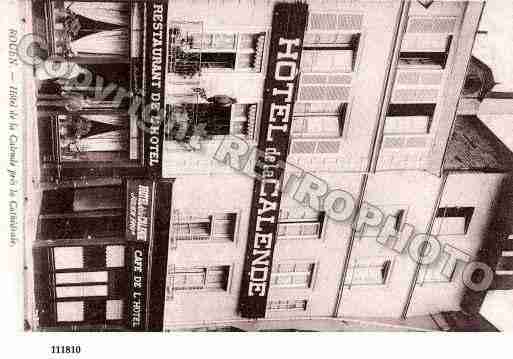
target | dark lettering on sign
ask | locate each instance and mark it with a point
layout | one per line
(288, 29)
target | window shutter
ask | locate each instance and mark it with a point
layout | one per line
(305, 147)
(324, 88)
(398, 142)
(328, 147)
(302, 147)
(325, 79)
(323, 93)
(331, 21)
(415, 95)
(419, 78)
(431, 25)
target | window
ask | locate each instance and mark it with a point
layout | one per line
(81, 291)
(316, 127)
(214, 227)
(114, 309)
(409, 118)
(452, 220)
(201, 278)
(104, 41)
(68, 257)
(368, 271)
(70, 311)
(192, 50)
(398, 213)
(433, 274)
(327, 60)
(332, 51)
(301, 228)
(287, 305)
(292, 275)
(80, 277)
(236, 119)
(91, 311)
(93, 278)
(89, 212)
(424, 51)
(110, 256)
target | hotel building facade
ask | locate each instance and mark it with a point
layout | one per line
(360, 97)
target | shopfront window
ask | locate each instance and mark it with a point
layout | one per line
(92, 212)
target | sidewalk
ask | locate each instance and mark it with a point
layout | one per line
(32, 171)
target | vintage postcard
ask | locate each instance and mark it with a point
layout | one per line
(262, 165)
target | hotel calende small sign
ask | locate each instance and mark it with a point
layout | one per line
(288, 28)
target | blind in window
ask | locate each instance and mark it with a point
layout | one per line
(81, 291)
(80, 277)
(70, 311)
(115, 256)
(68, 257)
(114, 309)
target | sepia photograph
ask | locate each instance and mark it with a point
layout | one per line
(261, 165)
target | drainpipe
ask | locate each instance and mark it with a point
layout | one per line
(399, 30)
(429, 229)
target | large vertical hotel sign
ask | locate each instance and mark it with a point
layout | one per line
(288, 27)
(155, 74)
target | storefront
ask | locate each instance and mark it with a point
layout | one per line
(101, 88)
(99, 254)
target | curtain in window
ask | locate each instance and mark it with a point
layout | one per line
(108, 12)
(59, 70)
(115, 120)
(116, 140)
(111, 42)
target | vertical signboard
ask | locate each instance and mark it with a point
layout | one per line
(288, 28)
(155, 78)
(139, 234)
